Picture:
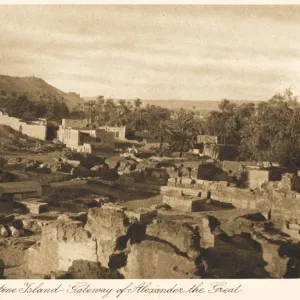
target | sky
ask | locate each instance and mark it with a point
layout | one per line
(160, 52)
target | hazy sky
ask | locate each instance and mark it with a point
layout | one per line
(155, 52)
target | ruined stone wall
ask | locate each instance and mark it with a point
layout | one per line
(119, 240)
(278, 200)
(63, 241)
(33, 130)
(257, 177)
(286, 206)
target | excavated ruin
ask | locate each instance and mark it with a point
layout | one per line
(157, 221)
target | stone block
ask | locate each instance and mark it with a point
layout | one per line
(257, 177)
(186, 181)
(19, 176)
(3, 231)
(16, 232)
(207, 239)
(21, 187)
(194, 174)
(172, 181)
(106, 225)
(176, 192)
(62, 242)
(222, 185)
(179, 234)
(143, 216)
(35, 206)
(31, 224)
(157, 260)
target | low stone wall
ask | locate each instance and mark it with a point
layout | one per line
(33, 130)
(279, 200)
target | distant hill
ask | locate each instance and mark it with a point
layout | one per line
(36, 89)
(201, 105)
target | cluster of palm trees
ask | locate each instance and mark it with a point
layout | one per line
(176, 131)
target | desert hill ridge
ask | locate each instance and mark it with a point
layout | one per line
(36, 89)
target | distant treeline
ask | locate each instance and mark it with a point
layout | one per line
(265, 131)
(21, 107)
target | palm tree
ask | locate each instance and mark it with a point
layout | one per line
(137, 103)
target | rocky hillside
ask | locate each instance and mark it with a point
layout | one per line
(35, 89)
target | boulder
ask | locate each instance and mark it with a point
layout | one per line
(157, 260)
(180, 235)
(237, 226)
(107, 225)
(83, 269)
(31, 225)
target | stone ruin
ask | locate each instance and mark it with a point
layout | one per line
(208, 224)
(118, 240)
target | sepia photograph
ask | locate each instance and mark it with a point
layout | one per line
(149, 141)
